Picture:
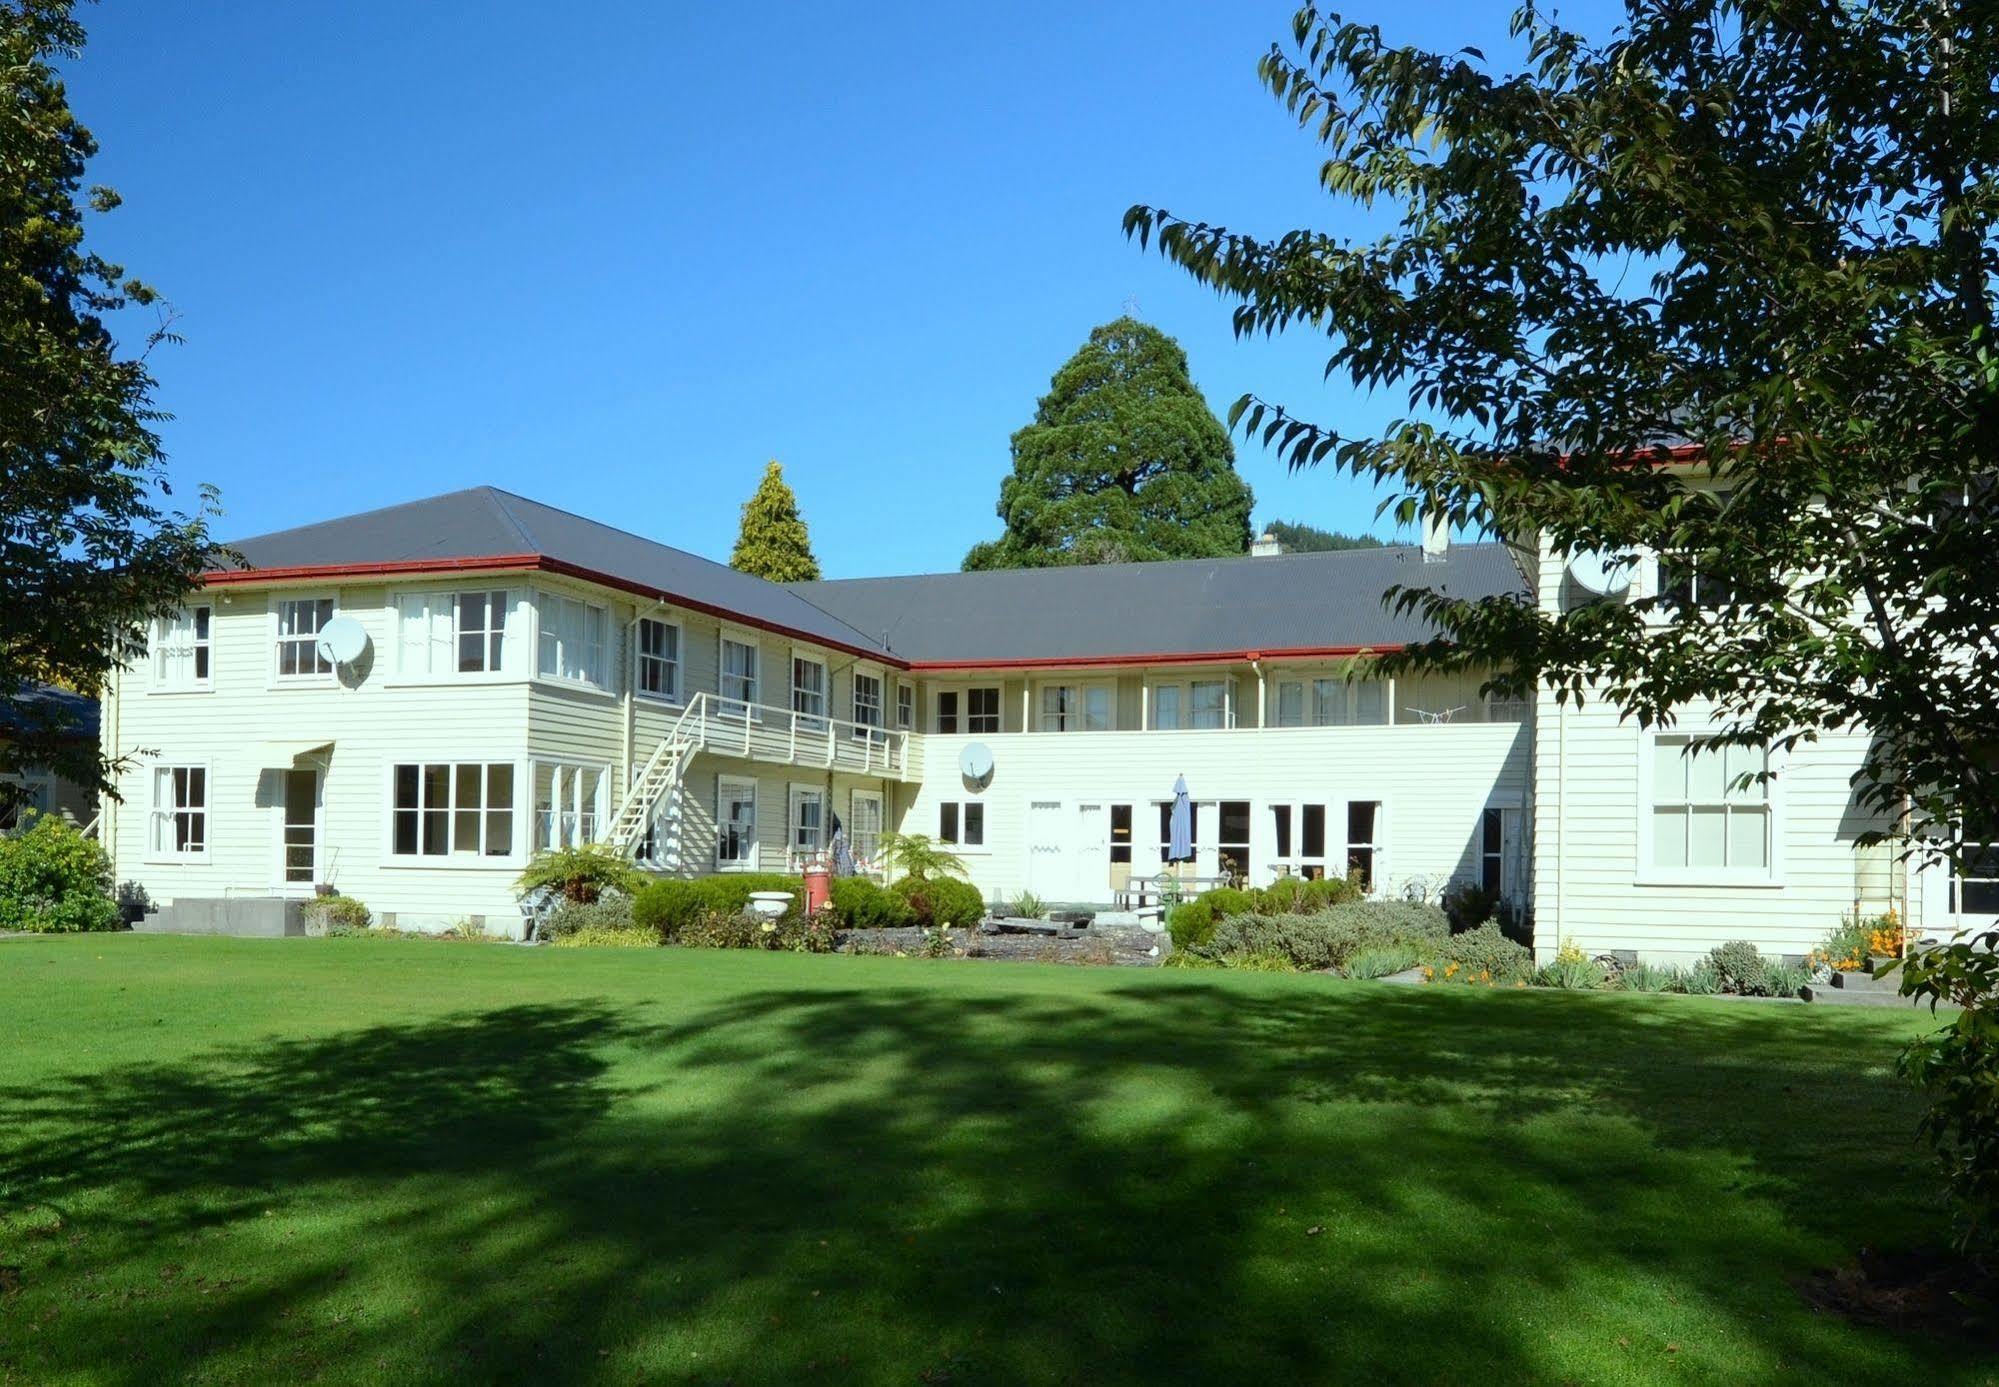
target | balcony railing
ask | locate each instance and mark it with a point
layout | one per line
(761, 732)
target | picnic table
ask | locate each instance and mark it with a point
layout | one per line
(1151, 893)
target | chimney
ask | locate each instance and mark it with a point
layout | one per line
(1264, 546)
(1436, 535)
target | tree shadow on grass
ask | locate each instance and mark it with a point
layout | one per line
(1168, 1182)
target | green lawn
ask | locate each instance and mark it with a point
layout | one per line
(361, 1161)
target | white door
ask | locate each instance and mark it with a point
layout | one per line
(298, 830)
(1046, 872)
(1092, 854)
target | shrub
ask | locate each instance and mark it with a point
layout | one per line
(794, 932)
(610, 911)
(1701, 980)
(1957, 1068)
(133, 902)
(1191, 923)
(626, 936)
(861, 904)
(1328, 938)
(331, 914)
(579, 874)
(666, 905)
(1380, 961)
(1649, 977)
(1321, 892)
(1785, 979)
(1284, 896)
(1483, 955)
(942, 901)
(1854, 941)
(1740, 969)
(1572, 974)
(1467, 904)
(919, 855)
(1027, 906)
(1225, 901)
(53, 880)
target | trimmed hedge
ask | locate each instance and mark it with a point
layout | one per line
(1192, 923)
(861, 904)
(670, 905)
(942, 901)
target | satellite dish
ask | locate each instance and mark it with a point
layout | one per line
(1603, 574)
(342, 640)
(976, 762)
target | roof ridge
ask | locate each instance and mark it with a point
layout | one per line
(1315, 554)
(499, 500)
(362, 514)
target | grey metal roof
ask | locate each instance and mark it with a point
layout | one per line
(47, 707)
(1183, 607)
(485, 522)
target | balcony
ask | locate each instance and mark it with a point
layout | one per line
(780, 736)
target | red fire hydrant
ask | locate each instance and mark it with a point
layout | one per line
(818, 888)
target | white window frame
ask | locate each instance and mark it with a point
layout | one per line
(1224, 711)
(166, 646)
(905, 706)
(810, 719)
(437, 608)
(282, 605)
(452, 809)
(578, 658)
(869, 714)
(573, 817)
(996, 716)
(743, 703)
(1279, 717)
(1771, 807)
(1377, 846)
(1499, 709)
(958, 812)
(727, 787)
(667, 666)
(1329, 860)
(160, 844)
(865, 853)
(1073, 713)
(798, 797)
(1179, 693)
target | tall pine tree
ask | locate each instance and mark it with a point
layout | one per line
(773, 542)
(1124, 461)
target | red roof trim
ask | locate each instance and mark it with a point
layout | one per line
(1211, 657)
(541, 563)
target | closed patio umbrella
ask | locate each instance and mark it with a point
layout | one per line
(1180, 825)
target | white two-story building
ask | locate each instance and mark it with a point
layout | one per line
(513, 677)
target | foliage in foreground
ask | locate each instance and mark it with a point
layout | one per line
(1803, 194)
(92, 552)
(1483, 956)
(324, 914)
(580, 874)
(53, 880)
(1957, 1068)
(920, 855)
(671, 904)
(1329, 938)
(1192, 923)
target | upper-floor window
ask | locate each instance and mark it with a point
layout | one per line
(1210, 702)
(1499, 709)
(181, 648)
(1290, 704)
(300, 620)
(867, 703)
(1686, 589)
(1702, 818)
(572, 640)
(1166, 707)
(1075, 708)
(905, 706)
(1338, 703)
(808, 692)
(947, 711)
(444, 633)
(658, 668)
(739, 676)
(982, 710)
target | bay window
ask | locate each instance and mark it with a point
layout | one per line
(572, 641)
(440, 634)
(452, 809)
(570, 802)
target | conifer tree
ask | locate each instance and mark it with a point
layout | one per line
(773, 542)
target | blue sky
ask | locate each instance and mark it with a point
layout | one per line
(615, 258)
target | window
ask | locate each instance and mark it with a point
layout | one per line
(1499, 709)
(1067, 708)
(947, 711)
(1210, 699)
(1291, 705)
(735, 822)
(1166, 707)
(1121, 834)
(963, 825)
(569, 803)
(808, 693)
(1232, 839)
(658, 667)
(1363, 822)
(300, 620)
(864, 835)
(1492, 851)
(181, 650)
(1329, 702)
(572, 639)
(1702, 819)
(808, 820)
(982, 710)
(867, 703)
(439, 634)
(1343, 704)
(1974, 882)
(1370, 703)
(1684, 589)
(905, 706)
(21, 795)
(452, 809)
(739, 677)
(180, 811)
